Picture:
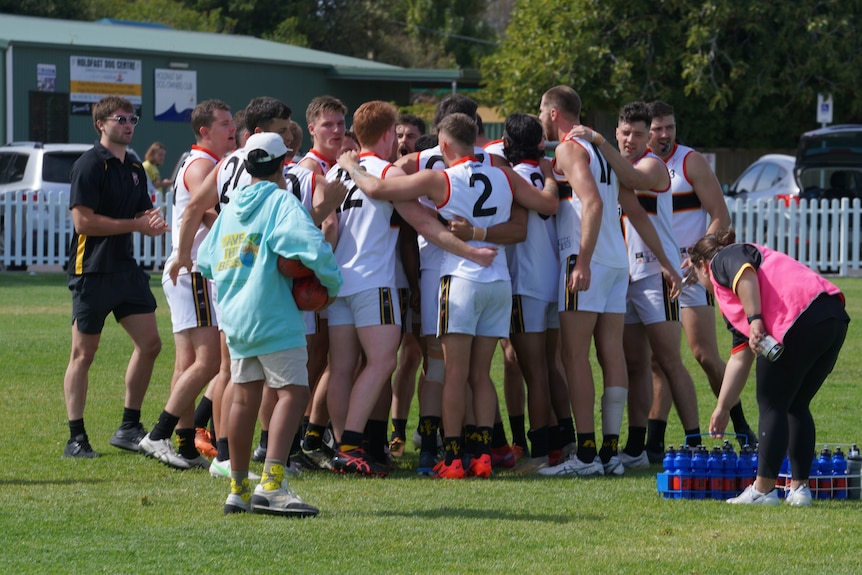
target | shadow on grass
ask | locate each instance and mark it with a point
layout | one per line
(460, 512)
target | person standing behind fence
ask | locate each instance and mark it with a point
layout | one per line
(154, 158)
(762, 292)
(109, 201)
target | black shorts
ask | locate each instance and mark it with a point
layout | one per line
(94, 296)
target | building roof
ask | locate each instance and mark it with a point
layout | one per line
(111, 35)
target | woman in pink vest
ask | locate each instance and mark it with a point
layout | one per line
(764, 293)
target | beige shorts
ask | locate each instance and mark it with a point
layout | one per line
(279, 369)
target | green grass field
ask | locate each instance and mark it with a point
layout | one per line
(126, 514)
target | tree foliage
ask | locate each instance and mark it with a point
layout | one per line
(740, 73)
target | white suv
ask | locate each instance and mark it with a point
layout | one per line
(30, 171)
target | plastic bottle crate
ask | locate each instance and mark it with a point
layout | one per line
(683, 479)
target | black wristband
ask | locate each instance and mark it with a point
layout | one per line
(751, 318)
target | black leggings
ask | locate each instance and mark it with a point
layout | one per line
(785, 389)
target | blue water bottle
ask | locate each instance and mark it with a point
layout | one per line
(682, 479)
(728, 464)
(699, 485)
(824, 482)
(670, 471)
(839, 474)
(715, 473)
(743, 468)
(813, 478)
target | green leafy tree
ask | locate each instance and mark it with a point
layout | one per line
(739, 73)
(62, 9)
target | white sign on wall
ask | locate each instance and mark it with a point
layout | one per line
(824, 109)
(176, 95)
(46, 77)
(93, 78)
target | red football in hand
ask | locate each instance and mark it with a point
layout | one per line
(292, 268)
(309, 293)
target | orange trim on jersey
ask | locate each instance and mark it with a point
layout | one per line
(492, 143)
(575, 141)
(206, 151)
(642, 156)
(684, 171)
(448, 191)
(321, 157)
(529, 162)
(464, 160)
(511, 187)
(186, 171)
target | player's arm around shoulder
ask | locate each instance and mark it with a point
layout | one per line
(432, 183)
(708, 191)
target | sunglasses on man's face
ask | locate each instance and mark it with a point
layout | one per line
(122, 120)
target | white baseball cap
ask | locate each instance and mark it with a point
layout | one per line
(268, 142)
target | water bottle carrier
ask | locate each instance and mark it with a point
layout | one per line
(727, 472)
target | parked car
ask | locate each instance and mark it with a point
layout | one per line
(829, 162)
(34, 168)
(771, 176)
(829, 167)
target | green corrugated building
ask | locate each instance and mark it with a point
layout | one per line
(51, 68)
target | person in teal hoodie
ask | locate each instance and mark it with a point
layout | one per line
(264, 328)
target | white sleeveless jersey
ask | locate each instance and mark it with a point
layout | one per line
(689, 216)
(534, 264)
(495, 148)
(610, 249)
(300, 182)
(325, 164)
(231, 175)
(658, 204)
(432, 159)
(367, 237)
(483, 196)
(181, 200)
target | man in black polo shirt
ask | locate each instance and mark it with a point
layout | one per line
(109, 201)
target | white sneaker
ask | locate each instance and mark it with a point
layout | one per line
(574, 466)
(221, 469)
(614, 466)
(282, 501)
(162, 450)
(236, 504)
(635, 462)
(799, 497)
(752, 496)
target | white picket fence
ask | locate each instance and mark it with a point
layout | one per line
(822, 234)
(46, 222)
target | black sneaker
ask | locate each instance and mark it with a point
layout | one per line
(128, 437)
(79, 446)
